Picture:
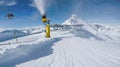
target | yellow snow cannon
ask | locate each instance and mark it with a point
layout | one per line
(44, 19)
(47, 24)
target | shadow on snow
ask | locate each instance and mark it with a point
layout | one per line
(85, 34)
(25, 53)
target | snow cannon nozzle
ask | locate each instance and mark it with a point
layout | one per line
(43, 15)
(44, 19)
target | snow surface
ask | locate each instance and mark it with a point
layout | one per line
(65, 49)
(76, 47)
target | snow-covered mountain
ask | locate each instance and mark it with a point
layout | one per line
(75, 20)
(106, 29)
(96, 30)
(9, 34)
(32, 30)
(107, 32)
(1, 29)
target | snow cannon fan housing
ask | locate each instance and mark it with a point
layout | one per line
(44, 19)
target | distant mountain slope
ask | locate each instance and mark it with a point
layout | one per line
(1, 29)
(9, 34)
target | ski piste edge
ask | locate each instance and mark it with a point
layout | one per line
(35, 41)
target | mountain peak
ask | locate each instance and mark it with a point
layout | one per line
(74, 16)
(73, 20)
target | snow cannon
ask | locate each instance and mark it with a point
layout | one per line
(44, 19)
(47, 24)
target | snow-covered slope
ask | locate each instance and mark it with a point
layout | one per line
(111, 32)
(64, 50)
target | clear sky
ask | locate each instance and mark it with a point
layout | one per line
(26, 15)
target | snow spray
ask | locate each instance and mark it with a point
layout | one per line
(40, 4)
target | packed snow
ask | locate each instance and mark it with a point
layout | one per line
(87, 46)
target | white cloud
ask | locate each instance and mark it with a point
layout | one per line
(32, 5)
(7, 3)
(11, 3)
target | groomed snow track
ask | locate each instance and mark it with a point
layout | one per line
(75, 52)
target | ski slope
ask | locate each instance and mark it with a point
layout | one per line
(64, 49)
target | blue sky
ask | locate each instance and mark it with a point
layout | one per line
(26, 15)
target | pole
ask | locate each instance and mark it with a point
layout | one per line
(47, 30)
(15, 37)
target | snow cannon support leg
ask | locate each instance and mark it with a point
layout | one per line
(47, 31)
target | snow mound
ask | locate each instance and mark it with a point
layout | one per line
(75, 20)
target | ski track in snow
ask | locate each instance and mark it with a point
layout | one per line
(73, 54)
(69, 50)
